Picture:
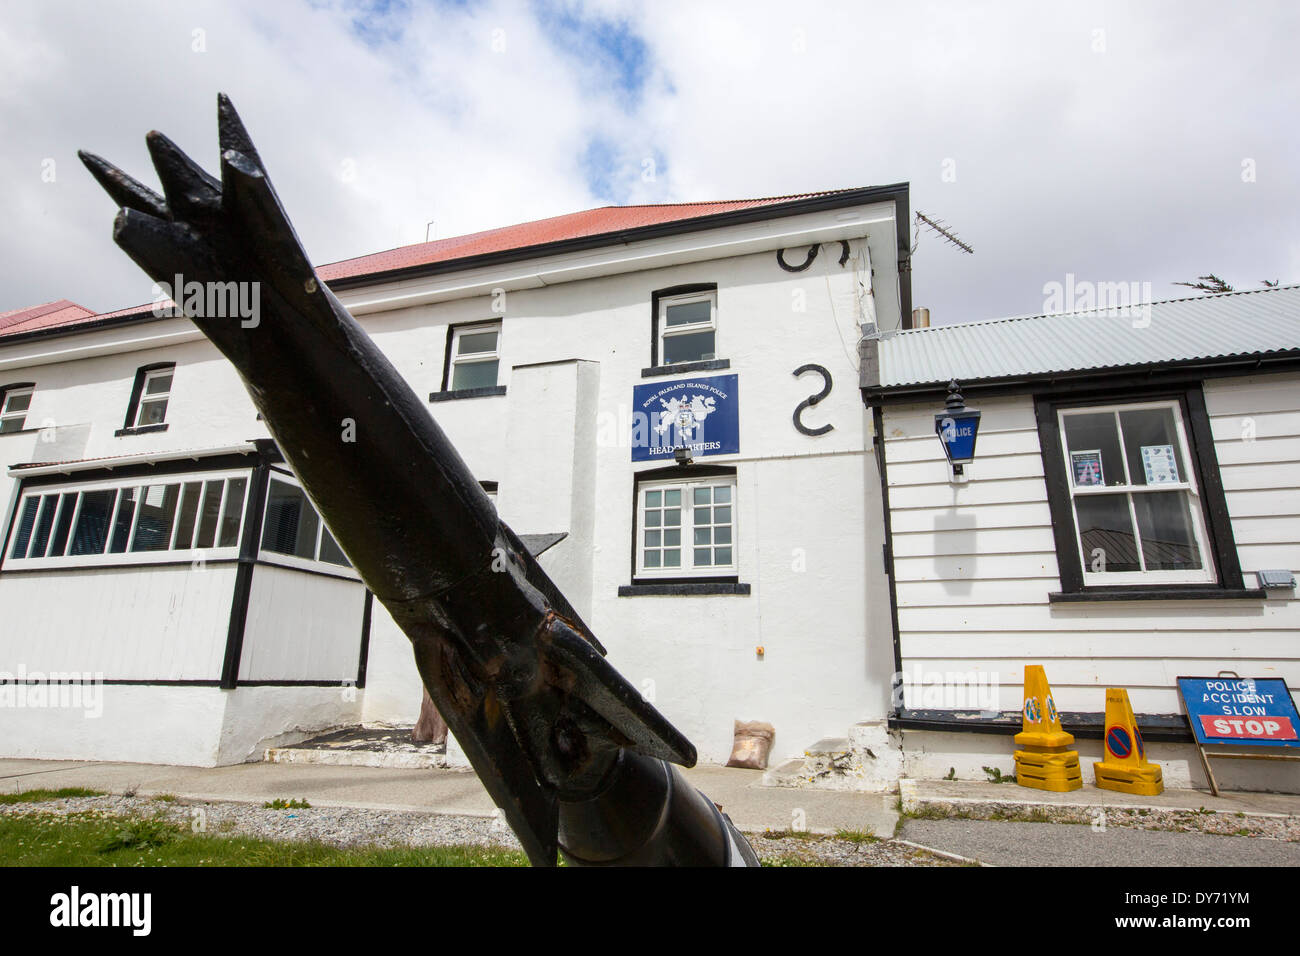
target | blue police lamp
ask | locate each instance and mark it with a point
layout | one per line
(957, 426)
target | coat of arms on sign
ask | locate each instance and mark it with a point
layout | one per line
(685, 413)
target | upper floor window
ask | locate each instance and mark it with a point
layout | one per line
(294, 529)
(14, 403)
(150, 396)
(686, 528)
(688, 327)
(109, 522)
(475, 356)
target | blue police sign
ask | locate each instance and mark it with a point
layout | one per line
(702, 414)
(957, 427)
(1257, 711)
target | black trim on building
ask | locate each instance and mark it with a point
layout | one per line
(141, 430)
(255, 508)
(364, 658)
(1169, 592)
(683, 588)
(1220, 543)
(708, 365)
(658, 294)
(485, 391)
(1166, 728)
(878, 439)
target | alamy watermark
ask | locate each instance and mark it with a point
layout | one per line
(57, 690)
(209, 300)
(1124, 299)
(947, 690)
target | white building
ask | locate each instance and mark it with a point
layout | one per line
(1135, 472)
(154, 540)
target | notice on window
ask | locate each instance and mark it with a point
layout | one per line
(1159, 463)
(1086, 466)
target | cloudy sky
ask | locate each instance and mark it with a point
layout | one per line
(1118, 142)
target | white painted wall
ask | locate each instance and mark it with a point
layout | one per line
(301, 626)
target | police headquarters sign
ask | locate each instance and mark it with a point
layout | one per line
(702, 414)
(1240, 710)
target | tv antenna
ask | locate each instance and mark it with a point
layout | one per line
(944, 231)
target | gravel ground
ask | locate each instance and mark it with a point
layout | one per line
(354, 827)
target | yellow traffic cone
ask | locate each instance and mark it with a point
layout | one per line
(1125, 766)
(1044, 762)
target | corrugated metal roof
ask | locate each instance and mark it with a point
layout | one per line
(1219, 326)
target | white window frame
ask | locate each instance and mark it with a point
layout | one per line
(473, 358)
(1207, 573)
(665, 332)
(5, 415)
(292, 560)
(688, 569)
(172, 555)
(146, 398)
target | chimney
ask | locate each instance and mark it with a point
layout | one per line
(920, 318)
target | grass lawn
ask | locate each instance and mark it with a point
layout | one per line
(98, 839)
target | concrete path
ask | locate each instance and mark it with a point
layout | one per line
(751, 806)
(1060, 844)
(955, 794)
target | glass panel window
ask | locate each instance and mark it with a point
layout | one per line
(1136, 505)
(292, 527)
(104, 518)
(475, 357)
(688, 328)
(14, 404)
(699, 510)
(154, 395)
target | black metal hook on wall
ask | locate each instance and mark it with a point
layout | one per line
(812, 254)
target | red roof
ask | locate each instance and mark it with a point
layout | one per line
(607, 220)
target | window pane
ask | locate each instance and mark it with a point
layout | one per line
(66, 509)
(1094, 432)
(1165, 524)
(477, 342)
(653, 539)
(693, 347)
(159, 384)
(157, 513)
(330, 550)
(652, 518)
(25, 525)
(1151, 441)
(211, 512)
(722, 556)
(672, 517)
(1106, 533)
(44, 525)
(153, 412)
(92, 524)
(673, 558)
(122, 526)
(474, 375)
(702, 495)
(722, 515)
(672, 537)
(703, 535)
(234, 512)
(722, 535)
(673, 497)
(17, 401)
(652, 559)
(9, 425)
(189, 511)
(653, 499)
(703, 515)
(722, 494)
(687, 313)
(703, 557)
(291, 522)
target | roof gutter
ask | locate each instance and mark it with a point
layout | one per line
(144, 458)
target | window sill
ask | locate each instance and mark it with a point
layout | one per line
(454, 394)
(1167, 593)
(682, 588)
(141, 430)
(707, 366)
